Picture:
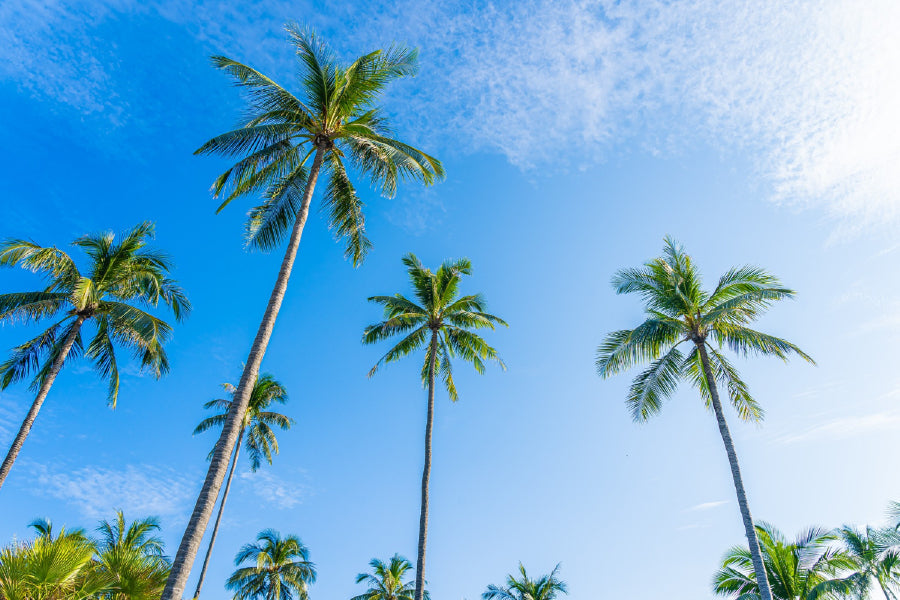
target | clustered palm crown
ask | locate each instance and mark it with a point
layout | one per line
(547, 587)
(679, 310)
(386, 581)
(441, 320)
(261, 442)
(337, 116)
(123, 277)
(280, 569)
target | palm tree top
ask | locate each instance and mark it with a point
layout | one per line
(336, 112)
(386, 581)
(523, 587)
(678, 309)
(438, 310)
(137, 537)
(123, 278)
(261, 441)
(280, 567)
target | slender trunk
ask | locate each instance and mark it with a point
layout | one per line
(193, 534)
(762, 579)
(215, 531)
(19, 440)
(426, 473)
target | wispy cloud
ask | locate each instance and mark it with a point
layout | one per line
(707, 506)
(846, 427)
(98, 491)
(804, 87)
(275, 490)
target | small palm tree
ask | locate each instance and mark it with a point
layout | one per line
(51, 568)
(808, 568)
(680, 311)
(522, 587)
(122, 277)
(334, 122)
(441, 324)
(280, 569)
(386, 580)
(261, 441)
(876, 559)
(132, 558)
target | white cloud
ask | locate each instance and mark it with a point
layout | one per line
(707, 506)
(98, 491)
(846, 427)
(275, 491)
(808, 88)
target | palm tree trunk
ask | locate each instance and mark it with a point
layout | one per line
(762, 579)
(193, 534)
(25, 428)
(426, 473)
(215, 531)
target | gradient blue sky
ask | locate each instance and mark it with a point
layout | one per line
(575, 135)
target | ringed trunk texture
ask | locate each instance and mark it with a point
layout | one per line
(762, 579)
(215, 531)
(426, 474)
(25, 428)
(193, 534)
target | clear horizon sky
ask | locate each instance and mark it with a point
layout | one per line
(575, 135)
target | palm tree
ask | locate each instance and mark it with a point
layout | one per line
(876, 559)
(440, 324)
(43, 527)
(808, 568)
(334, 118)
(280, 569)
(261, 440)
(386, 580)
(524, 588)
(50, 568)
(122, 277)
(132, 557)
(679, 310)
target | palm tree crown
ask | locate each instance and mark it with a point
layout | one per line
(807, 568)
(386, 580)
(522, 587)
(679, 310)
(335, 117)
(441, 321)
(280, 569)
(132, 556)
(876, 559)
(261, 442)
(122, 278)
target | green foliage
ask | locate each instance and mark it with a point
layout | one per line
(522, 587)
(386, 581)
(123, 278)
(441, 322)
(679, 310)
(809, 568)
(260, 442)
(336, 112)
(279, 569)
(126, 563)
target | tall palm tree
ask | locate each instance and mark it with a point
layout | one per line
(261, 441)
(441, 324)
(334, 118)
(876, 559)
(680, 311)
(808, 568)
(522, 587)
(123, 277)
(386, 580)
(280, 569)
(132, 557)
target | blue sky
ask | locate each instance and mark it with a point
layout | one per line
(575, 136)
